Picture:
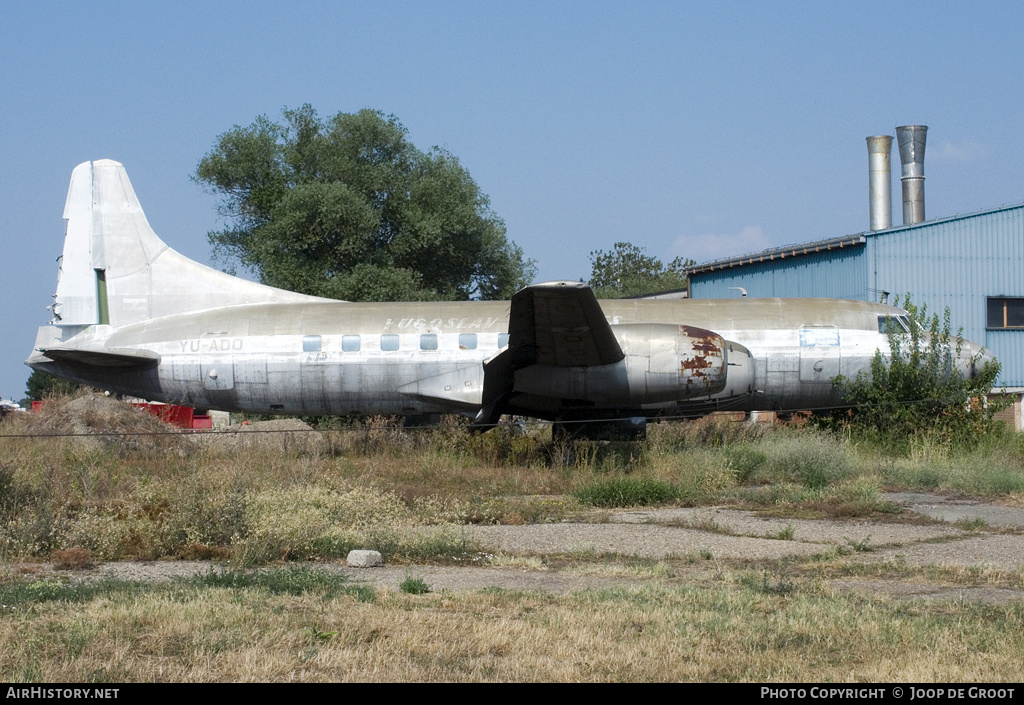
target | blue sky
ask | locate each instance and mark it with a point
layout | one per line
(693, 129)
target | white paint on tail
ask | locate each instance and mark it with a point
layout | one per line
(108, 238)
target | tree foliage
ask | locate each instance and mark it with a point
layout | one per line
(627, 270)
(348, 208)
(915, 392)
(41, 385)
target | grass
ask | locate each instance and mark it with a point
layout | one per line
(764, 625)
(263, 507)
(626, 492)
(404, 493)
(291, 580)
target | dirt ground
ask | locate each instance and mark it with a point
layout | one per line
(682, 545)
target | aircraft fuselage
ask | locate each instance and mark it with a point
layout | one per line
(352, 358)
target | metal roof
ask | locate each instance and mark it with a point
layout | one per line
(834, 243)
(777, 253)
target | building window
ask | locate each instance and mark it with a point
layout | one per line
(467, 341)
(1005, 312)
(428, 341)
(350, 343)
(389, 342)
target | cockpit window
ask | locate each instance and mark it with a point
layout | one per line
(900, 324)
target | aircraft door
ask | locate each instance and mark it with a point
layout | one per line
(819, 354)
(251, 378)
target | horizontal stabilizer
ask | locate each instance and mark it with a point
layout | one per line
(462, 387)
(115, 357)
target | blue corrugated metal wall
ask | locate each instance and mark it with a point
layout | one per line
(837, 274)
(959, 263)
(953, 262)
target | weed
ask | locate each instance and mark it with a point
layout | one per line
(860, 546)
(746, 461)
(707, 523)
(785, 534)
(520, 510)
(583, 552)
(414, 586)
(809, 459)
(19, 593)
(972, 524)
(626, 492)
(770, 583)
(294, 580)
(319, 634)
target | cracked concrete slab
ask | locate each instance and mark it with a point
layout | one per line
(694, 540)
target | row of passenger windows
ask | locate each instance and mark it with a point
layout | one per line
(390, 342)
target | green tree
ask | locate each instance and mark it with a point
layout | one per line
(41, 385)
(914, 390)
(348, 208)
(628, 271)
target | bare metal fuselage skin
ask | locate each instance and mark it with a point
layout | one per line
(136, 318)
(289, 358)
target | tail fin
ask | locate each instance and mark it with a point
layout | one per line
(115, 270)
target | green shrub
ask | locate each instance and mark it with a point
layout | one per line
(914, 390)
(414, 586)
(626, 492)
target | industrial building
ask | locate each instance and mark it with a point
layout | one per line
(971, 263)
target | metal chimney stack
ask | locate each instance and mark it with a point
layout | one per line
(911, 142)
(880, 181)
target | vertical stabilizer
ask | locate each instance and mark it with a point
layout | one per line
(115, 270)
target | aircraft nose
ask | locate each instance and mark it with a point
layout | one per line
(980, 357)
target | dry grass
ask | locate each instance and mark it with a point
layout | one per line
(121, 495)
(654, 633)
(132, 487)
(72, 559)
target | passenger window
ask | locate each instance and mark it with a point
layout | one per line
(467, 341)
(502, 340)
(311, 343)
(350, 343)
(428, 341)
(389, 342)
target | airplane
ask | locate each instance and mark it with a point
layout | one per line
(134, 317)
